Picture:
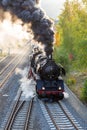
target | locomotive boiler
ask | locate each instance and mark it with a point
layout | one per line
(49, 83)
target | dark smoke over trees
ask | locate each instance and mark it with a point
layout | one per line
(30, 12)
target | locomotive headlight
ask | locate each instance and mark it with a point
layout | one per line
(59, 88)
(43, 88)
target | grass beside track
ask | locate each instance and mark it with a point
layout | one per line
(75, 81)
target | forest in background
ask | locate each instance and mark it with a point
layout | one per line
(70, 48)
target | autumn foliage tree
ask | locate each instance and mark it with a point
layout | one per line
(72, 27)
(57, 39)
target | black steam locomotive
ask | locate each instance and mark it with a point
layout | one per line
(49, 83)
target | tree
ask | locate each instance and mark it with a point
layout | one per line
(73, 31)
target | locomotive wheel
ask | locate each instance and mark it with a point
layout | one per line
(61, 96)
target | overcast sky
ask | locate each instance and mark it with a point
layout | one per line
(52, 7)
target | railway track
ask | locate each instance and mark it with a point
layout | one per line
(7, 63)
(10, 68)
(2, 59)
(20, 115)
(59, 117)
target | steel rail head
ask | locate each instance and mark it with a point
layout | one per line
(12, 113)
(28, 114)
(68, 116)
(51, 117)
(15, 113)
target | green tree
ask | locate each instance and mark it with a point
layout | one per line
(73, 29)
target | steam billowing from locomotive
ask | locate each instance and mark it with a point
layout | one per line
(45, 66)
(30, 13)
(47, 70)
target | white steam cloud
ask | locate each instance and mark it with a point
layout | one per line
(12, 34)
(30, 13)
(27, 85)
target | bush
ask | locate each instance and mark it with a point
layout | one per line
(71, 81)
(84, 91)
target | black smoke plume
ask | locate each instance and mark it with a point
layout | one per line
(30, 12)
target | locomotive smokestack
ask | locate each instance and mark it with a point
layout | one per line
(30, 12)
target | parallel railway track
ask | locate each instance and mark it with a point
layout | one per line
(8, 63)
(10, 68)
(20, 115)
(58, 116)
(2, 59)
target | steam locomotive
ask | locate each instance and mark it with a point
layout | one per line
(47, 73)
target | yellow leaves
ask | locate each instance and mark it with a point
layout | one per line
(57, 39)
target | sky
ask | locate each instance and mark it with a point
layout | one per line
(52, 7)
